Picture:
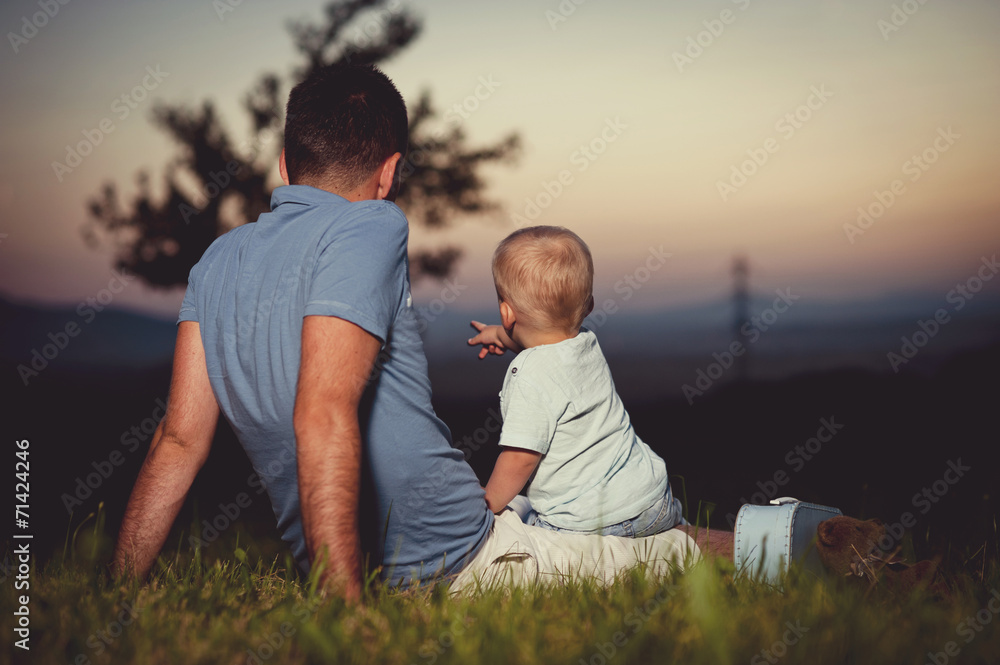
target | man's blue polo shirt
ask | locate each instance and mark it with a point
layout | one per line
(316, 253)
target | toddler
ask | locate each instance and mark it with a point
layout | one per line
(565, 433)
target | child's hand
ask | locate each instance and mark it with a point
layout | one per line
(490, 337)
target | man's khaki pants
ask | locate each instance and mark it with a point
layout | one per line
(517, 555)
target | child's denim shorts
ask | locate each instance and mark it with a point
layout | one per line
(662, 515)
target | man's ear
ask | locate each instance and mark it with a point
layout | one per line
(507, 316)
(282, 168)
(387, 181)
(397, 179)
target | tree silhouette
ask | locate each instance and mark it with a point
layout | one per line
(215, 185)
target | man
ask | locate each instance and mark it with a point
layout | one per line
(299, 328)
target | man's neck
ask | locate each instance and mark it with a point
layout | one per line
(367, 191)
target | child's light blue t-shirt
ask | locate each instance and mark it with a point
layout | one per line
(560, 400)
(316, 253)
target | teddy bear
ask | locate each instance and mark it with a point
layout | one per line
(848, 548)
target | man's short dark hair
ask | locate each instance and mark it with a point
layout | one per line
(341, 123)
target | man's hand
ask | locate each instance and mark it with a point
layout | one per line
(337, 361)
(494, 339)
(512, 471)
(179, 449)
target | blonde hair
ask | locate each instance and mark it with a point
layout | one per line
(546, 274)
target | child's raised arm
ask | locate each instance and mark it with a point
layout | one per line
(494, 339)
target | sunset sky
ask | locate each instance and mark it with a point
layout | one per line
(836, 100)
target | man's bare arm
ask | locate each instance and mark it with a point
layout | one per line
(337, 360)
(179, 449)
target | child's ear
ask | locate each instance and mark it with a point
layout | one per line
(507, 316)
(590, 306)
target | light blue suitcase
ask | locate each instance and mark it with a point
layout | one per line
(767, 538)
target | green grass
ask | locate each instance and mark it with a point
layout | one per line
(232, 601)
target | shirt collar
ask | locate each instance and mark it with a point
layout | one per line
(304, 194)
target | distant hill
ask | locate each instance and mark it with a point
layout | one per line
(653, 354)
(810, 335)
(82, 338)
(702, 326)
